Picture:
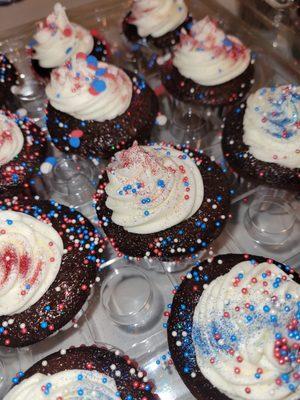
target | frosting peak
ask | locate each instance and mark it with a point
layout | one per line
(152, 188)
(157, 17)
(11, 139)
(272, 125)
(89, 90)
(208, 56)
(57, 39)
(246, 333)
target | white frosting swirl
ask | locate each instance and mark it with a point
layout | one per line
(157, 17)
(235, 328)
(11, 139)
(208, 56)
(30, 258)
(57, 39)
(272, 125)
(90, 90)
(67, 385)
(152, 188)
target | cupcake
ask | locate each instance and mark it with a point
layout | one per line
(57, 40)
(261, 138)
(8, 78)
(83, 373)
(160, 201)
(233, 330)
(156, 22)
(209, 67)
(22, 150)
(96, 108)
(49, 259)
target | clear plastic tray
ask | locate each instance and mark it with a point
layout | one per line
(129, 308)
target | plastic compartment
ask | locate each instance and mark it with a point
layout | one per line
(266, 222)
(269, 220)
(189, 124)
(72, 180)
(130, 298)
(130, 310)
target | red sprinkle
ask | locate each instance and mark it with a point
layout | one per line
(68, 31)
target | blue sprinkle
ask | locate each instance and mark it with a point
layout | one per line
(33, 43)
(227, 42)
(92, 60)
(292, 387)
(101, 71)
(51, 160)
(98, 85)
(74, 142)
(285, 377)
(44, 324)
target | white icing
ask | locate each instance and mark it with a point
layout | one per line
(11, 139)
(91, 385)
(152, 188)
(157, 17)
(30, 258)
(57, 39)
(210, 57)
(71, 89)
(272, 125)
(251, 339)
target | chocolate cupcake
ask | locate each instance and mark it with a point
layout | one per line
(57, 40)
(83, 372)
(8, 78)
(261, 139)
(96, 108)
(156, 22)
(209, 67)
(233, 330)
(160, 201)
(49, 259)
(22, 150)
